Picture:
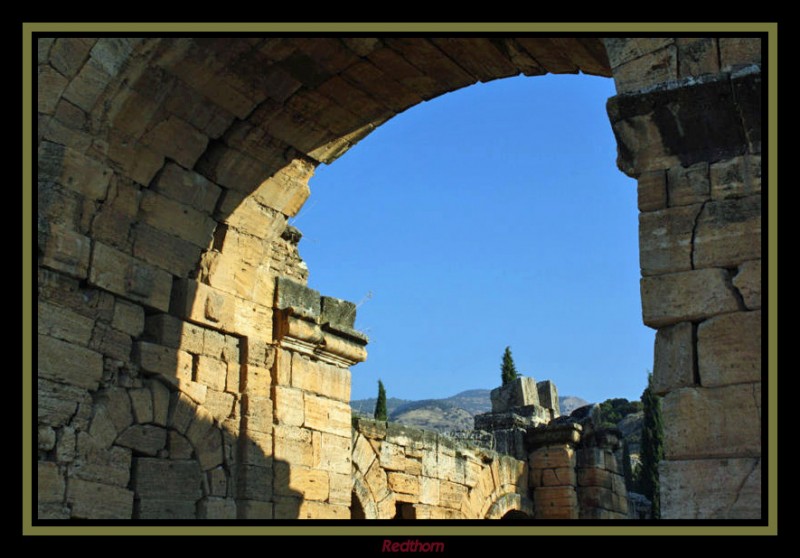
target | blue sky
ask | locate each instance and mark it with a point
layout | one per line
(490, 216)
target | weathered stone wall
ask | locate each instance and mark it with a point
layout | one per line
(168, 170)
(687, 121)
(415, 474)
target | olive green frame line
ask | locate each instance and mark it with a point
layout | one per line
(643, 28)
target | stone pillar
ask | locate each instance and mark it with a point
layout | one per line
(311, 393)
(687, 122)
(601, 484)
(551, 463)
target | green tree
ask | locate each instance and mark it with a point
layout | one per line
(508, 371)
(652, 447)
(380, 404)
(627, 472)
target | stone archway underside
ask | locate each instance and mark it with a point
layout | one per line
(167, 170)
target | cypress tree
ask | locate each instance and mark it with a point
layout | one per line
(508, 371)
(380, 404)
(652, 447)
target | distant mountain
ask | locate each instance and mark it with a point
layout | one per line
(450, 413)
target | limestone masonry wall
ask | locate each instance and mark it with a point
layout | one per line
(185, 371)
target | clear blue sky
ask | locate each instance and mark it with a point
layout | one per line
(490, 216)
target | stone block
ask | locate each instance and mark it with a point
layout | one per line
(748, 281)
(67, 54)
(300, 299)
(729, 349)
(522, 391)
(50, 483)
(553, 457)
(168, 252)
(216, 508)
(256, 449)
(93, 500)
(232, 378)
(688, 185)
(141, 405)
(258, 413)
(62, 323)
(166, 479)
(686, 296)
(258, 380)
(288, 406)
(217, 482)
(52, 511)
(408, 485)
(253, 509)
(211, 372)
(145, 439)
(363, 454)
(697, 56)
(621, 50)
(172, 365)
(58, 403)
(133, 159)
(560, 476)
(335, 454)
(110, 342)
(728, 233)
(177, 140)
(179, 447)
(45, 438)
(647, 70)
(327, 415)
(67, 251)
(64, 362)
(715, 489)
(221, 405)
(674, 358)
(309, 484)
(187, 187)
(652, 190)
(594, 477)
(182, 411)
(255, 483)
(209, 449)
(110, 466)
(555, 502)
(451, 495)
(85, 88)
(700, 420)
(321, 379)
(293, 445)
(164, 509)
(739, 52)
(130, 277)
(737, 177)
(50, 86)
(548, 396)
(177, 219)
(161, 401)
(665, 239)
(128, 318)
(284, 193)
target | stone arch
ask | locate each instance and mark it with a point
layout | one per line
(510, 502)
(370, 481)
(168, 168)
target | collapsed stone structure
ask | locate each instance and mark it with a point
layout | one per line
(180, 372)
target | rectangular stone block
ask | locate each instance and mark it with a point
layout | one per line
(164, 250)
(729, 349)
(172, 365)
(686, 296)
(548, 499)
(50, 483)
(552, 457)
(739, 51)
(647, 70)
(255, 483)
(146, 439)
(293, 445)
(93, 500)
(110, 342)
(211, 372)
(728, 233)
(327, 415)
(253, 509)
(451, 494)
(294, 480)
(86, 87)
(748, 281)
(132, 278)
(288, 406)
(548, 396)
(128, 318)
(595, 477)
(518, 393)
(285, 193)
(57, 403)
(652, 191)
(142, 405)
(697, 56)
(187, 187)
(258, 413)
(166, 479)
(64, 362)
(62, 323)
(160, 402)
(165, 509)
(688, 185)
(133, 159)
(320, 378)
(257, 449)
(561, 476)
(67, 251)
(674, 358)
(216, 508)
(665, 239)
(701, 420)
(737, 177)
(220, 404)
(177, 219)
(259, 381)
(716, 489)
(74, 170)
(67, 54)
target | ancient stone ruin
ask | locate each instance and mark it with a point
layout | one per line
(185, 371)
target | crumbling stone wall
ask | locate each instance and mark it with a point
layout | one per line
(409, 473)
(167, 172)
